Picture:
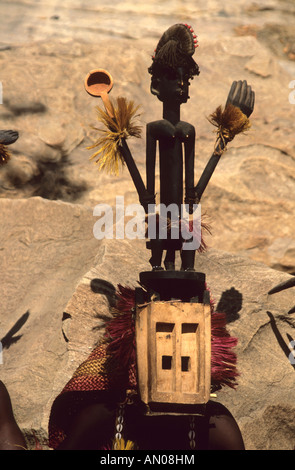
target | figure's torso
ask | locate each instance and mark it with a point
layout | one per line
(171, 139)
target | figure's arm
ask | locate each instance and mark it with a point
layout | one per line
(146, 195)
(151, 147)
(189, 155)
(241, 96)
(134, 173)
(113, 144)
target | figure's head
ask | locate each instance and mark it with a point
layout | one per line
(170, 84)
(173, 65)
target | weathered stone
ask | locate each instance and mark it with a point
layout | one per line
(260, 174)
(48, 249)
(250, 202)
(41, 262)
(264, 331)
(34, 148)
(21, 170)
(263, 65)
(261, 322)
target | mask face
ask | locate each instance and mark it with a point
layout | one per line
(171, 85)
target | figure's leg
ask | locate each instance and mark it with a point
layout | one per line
(170, 260)
(157, 253)
(188, 260)
(11, 437)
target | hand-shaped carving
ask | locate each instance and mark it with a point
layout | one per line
(242, 96)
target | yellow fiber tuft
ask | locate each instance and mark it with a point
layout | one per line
(229, 122)
(4, 155)
(120, 444)
(108, 156)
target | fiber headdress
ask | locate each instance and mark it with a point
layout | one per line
(175, 49)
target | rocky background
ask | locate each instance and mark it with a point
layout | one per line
(50, 260)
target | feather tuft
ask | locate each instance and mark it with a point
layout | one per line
(4, 155)
(230, 122)
(120, 444)
(120, 332)
(185, 225)
(223, 357)
(122, 126)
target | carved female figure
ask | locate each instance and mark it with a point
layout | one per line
(172, 69)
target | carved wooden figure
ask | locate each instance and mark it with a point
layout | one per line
(171, 70)
(173, 334)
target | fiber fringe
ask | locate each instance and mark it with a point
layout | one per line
(185, 227)
(230, 122)
(122, 126)
(4, 155)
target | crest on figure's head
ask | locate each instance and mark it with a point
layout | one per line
(175, 49)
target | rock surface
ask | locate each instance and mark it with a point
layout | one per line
(48, 275)
(54, 115)
(263, 403)
(41, 262)
(48, 190)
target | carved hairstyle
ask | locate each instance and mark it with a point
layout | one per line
(175, 49)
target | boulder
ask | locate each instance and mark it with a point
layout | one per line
(251, 193)
(52, 265)
(46, 247)
(263, 403)
(53, 311)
